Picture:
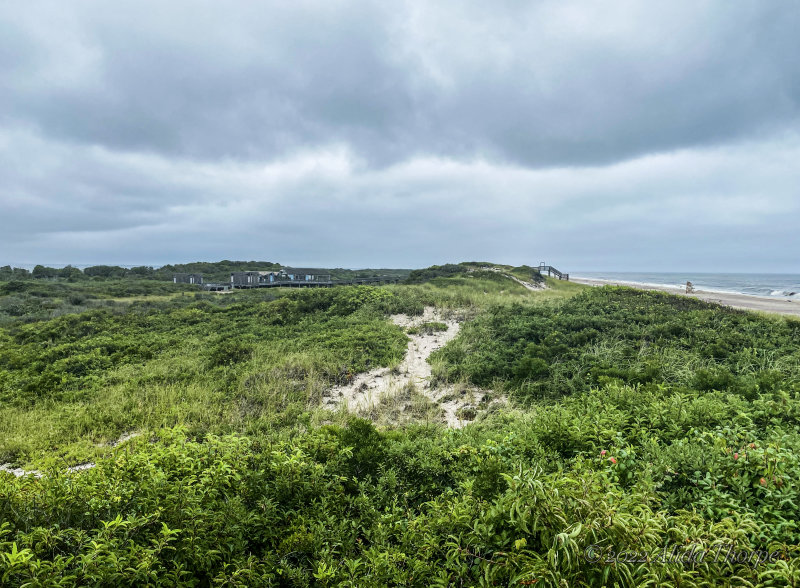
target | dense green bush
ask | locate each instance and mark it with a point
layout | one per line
(422, 507)
(436, 271)
(633, 336)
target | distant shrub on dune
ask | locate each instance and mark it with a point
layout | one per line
(527, 273)
(435, 271)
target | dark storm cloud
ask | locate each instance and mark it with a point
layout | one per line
(192, 79)
(549, 83)
(408, 133)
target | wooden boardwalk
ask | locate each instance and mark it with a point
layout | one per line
(551, 271)
(319, 284)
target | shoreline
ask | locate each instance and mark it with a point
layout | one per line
(741, 301)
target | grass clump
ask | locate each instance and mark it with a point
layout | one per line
(427, 328)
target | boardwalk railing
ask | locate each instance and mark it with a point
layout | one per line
(320, 284)
(551, 271)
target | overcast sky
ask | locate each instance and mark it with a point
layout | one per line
(591, 135)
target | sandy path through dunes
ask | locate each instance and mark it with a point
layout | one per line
(528, 285)
(536, 287)
(367, 390)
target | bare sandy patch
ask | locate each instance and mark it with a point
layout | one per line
(398, 390)
(528, 285)
(19, 472)
(537, 287)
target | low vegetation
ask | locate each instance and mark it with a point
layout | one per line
(436, 271)
(29, 300)
(631, 336)
(639, 423)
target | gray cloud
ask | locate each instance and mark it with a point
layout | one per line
(347, 133)
(547, 84)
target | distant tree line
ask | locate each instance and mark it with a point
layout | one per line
(218, 271)
(13, 273)
(212, 271)
(73, 273)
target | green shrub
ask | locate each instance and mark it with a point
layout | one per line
(435, 271)
(368, 448)
(229, 352)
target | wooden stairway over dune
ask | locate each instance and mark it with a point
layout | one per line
(551, 271)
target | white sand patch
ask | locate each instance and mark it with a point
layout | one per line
(19, 472)
(368, 390)
(529, 285)
(124, 437)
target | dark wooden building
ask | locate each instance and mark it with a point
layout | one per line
(304, 274)
(187, 278)
(283, 277)
(245, 279)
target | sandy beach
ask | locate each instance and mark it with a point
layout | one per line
(743, 301)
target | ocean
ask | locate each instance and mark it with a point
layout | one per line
(772, 285)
